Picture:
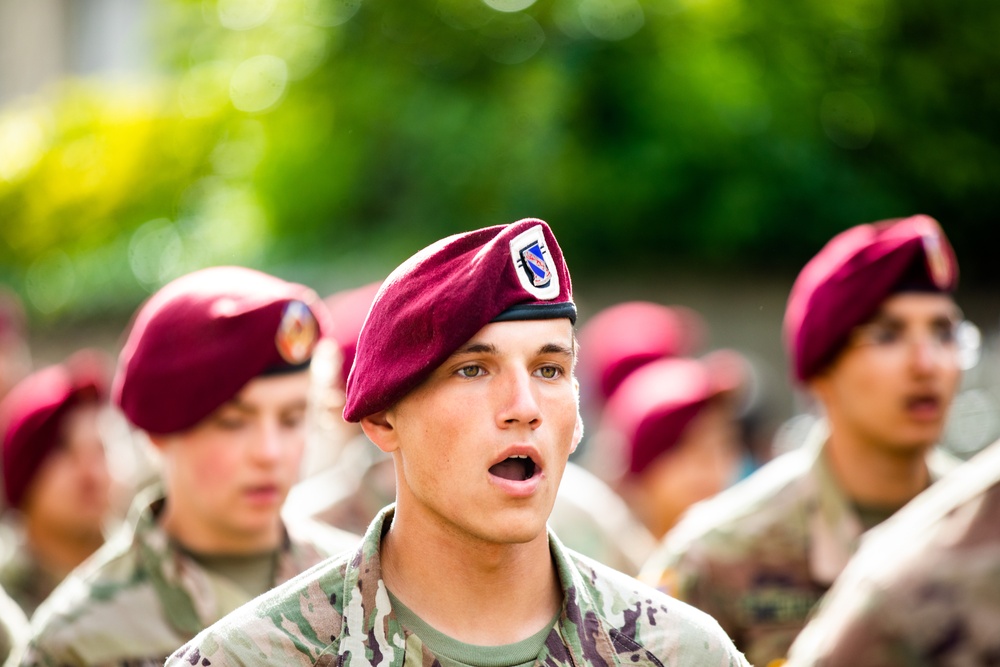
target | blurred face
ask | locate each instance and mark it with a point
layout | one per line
(701, 465)
(70, 494)
(892, 385)
(227, 477)
(481, 445)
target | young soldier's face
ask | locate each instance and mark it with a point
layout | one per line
(70, 494)
(227, 477)
(481, 445)
(893, 383)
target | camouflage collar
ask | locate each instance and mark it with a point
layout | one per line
(581, 636)
(835, 529)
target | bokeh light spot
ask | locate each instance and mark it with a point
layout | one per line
(155, 252)
(51, 281)
(204, 90)
(22, 140)
(509, 5)
(258, 83)
(244, 14)
(330, 13)
(512, 38)
(612, 20)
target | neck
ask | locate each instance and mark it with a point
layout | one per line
(60, 551)
(474, 591)
(201, 538)
(876, 475)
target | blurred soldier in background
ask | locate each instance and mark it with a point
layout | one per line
(15, 358)
(924, 589)
(870, 331)
(55, 475)
(215, 371)
(464, 374)
(670, 436)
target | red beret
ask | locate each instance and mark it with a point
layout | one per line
(348, 310)
(844, 285)
(654, 405)
(623, 337)
(31, 415)
(196, 342)
(438, 299)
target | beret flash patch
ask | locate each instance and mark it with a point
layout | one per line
(297, 334)
(531, 259)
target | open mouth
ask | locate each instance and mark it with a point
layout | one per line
(517, 468)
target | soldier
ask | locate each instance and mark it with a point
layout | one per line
(215, 372)
(56, 481)
(464, 373)
(924, 589)
(870, 330)
(670, 432)
(13, 630)
(588, 516)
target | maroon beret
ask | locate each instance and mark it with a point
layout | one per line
(197, 341)
(623, 337)
(31, 415)
(654, 405)
(844, 285)
(440, 297)
(348, 310)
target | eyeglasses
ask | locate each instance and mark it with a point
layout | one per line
(961, 338)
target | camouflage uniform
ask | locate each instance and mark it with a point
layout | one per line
(924, 588)
(24, 579)
(140, 596)
(13, 630)
(758, 556)
(588, 516)
(339, 614)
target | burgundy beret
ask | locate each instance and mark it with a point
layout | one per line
(31, 415)
(623, 337)
(348, 310)
(844, 285)
(654, 405)
(197, 341)
(440, 297)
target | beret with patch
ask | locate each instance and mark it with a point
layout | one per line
(32, 412)
(435, 301)
(846, 282)
(621, 338)
(196, 342)
(653, 407)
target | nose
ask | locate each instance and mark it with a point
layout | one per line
(518, 403)
(267, 446)
(928, 354)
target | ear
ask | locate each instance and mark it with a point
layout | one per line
(159, 442)
(380, 430)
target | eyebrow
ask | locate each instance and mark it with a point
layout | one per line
(238, 404)
(493, 350)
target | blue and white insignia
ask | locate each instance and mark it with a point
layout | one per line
(297, 333)
(533, 264)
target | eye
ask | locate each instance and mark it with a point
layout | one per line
(293, 420)
(945, 334)
(230, 422)
(549, 372)
(471, 371)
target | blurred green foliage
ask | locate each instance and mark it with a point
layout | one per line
(721, 134)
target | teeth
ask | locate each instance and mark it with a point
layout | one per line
(519, 456)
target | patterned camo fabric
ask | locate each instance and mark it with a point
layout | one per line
(139, 597)
(760, 555)
(925, 586)
(339, 613)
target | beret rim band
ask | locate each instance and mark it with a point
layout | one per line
(538, 311)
